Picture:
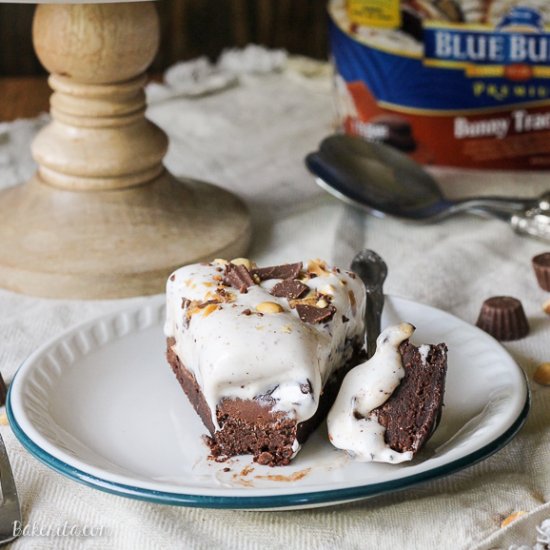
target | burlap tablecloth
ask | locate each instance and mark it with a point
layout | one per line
(248, 128)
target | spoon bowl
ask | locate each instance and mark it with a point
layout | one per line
(385, 181)
(382, 171)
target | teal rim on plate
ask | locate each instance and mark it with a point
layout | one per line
(327, 497)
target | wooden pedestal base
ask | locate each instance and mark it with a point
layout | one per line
(102, 218)
(60, 243)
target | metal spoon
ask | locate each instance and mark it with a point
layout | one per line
(372, 270)
(387, 182)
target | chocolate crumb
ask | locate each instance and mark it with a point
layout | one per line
(314, 315)
(249, 312)
(223, 294)
(284, 271)
(344, 319)
(202, 305)
(265, 458)
(290, 289)
(226, 469)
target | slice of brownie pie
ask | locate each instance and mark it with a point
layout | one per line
(261, 351)
(389, 406)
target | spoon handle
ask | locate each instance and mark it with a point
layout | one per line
(375, 305)
(535, 223)
(533, 220)
(493, 206)
(372, 270)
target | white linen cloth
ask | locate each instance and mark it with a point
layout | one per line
(248, 129)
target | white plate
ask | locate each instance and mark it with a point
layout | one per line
(100, 405)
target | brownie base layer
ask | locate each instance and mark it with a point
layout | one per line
(251, 426)
(412, 413)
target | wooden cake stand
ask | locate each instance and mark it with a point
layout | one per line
(102, 218)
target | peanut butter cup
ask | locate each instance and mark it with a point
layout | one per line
(503, 317)
(541, 265)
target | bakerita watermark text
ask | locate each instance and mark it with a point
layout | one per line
(36, 529)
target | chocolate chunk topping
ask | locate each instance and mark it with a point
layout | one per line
(238, 277)
(285, 271)
(313, 314)
(289, 289)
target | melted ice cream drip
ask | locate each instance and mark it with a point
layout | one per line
(351, 425)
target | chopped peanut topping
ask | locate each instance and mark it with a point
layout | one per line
(319, 267)
(269, 307)
(542, 374)
(210, 308)
(512, 517)
(242, 261)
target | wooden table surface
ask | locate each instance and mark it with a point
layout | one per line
(23, 97)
